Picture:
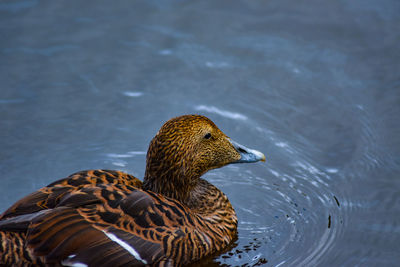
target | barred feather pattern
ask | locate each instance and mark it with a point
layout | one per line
(169, 233)
(161, 230)
(49, 197)
(13, 251)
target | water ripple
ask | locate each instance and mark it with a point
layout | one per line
(224, 113)
(132, 94)
(295, 206)
(48, 51)
(16, 6)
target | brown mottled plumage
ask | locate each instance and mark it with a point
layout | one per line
(109, 218)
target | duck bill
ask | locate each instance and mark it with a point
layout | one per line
(247, 155)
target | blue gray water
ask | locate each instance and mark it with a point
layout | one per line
(315, 85)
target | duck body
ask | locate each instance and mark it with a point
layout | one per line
(110, 218)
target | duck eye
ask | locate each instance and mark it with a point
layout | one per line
(207, 136)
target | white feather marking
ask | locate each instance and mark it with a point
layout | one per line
(78, 264)
(68, 262)
(125, 245)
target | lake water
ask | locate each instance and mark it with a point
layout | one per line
(315, 85)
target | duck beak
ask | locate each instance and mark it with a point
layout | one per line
(247, 155)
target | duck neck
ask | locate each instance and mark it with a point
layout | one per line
(201, 197)
(170, 183)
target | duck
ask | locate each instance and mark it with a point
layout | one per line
(111, 218)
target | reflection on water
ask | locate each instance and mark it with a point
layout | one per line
(314, 86)
(223, 113)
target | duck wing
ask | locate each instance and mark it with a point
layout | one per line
(50, 196)
(138, 229)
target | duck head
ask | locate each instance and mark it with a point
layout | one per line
(185, 148)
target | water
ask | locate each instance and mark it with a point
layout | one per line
(314, 85)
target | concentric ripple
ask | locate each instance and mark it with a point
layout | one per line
(282, 206)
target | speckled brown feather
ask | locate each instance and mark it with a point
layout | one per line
(108, 218)
(49, 197)
(195, 156)
(13, 251)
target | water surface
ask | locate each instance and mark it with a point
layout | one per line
(314, 85)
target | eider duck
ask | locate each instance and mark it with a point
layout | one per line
(111, 218)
